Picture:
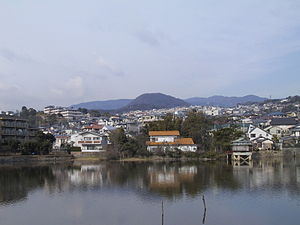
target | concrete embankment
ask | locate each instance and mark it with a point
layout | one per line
(35, 158)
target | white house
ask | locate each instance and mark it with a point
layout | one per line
(60, 141)
(89, 141)
(256, 132)
(295, 131)
(281, 126)
(169, 140)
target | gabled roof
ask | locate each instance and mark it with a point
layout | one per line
(164, 133)
(254, 128)
(283, 121)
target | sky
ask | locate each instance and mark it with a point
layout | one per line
(64, 52)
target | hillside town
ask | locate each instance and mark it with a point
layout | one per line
(268, 125)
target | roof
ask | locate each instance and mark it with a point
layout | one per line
(185, 141)
(180, 141)
(164, 133)
(277, 114)
(283, 121)
(241, 141)
(93, 126)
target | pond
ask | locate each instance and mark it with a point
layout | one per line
(132, 193)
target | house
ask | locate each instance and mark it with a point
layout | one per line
(241, 145)
(241, 150)
(281, 126)
(169, 140)
(256, 132)
(61, 141)
(262, 143)
(89, 141)
(295, 131)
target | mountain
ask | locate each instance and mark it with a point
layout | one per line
(158, 100)
(224, 101)
(103, 105)
(154, 101)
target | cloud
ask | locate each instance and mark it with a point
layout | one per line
(112, 69)
(8, 87)
(70, 88)
(12, 56)
(148, 37)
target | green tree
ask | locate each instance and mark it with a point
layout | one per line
(197, 126)
(222, 138)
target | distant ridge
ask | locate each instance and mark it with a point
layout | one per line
(224, 101)
(159, 100)
(103, 105)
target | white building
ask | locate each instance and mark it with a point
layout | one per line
(71, 114)
(89, 141)
(169, 140)
(256, 132)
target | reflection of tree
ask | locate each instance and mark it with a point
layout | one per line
(16, 182)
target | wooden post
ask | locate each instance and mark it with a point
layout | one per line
(162, 212)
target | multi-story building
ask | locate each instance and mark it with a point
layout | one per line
(15, 128)
(70, 114)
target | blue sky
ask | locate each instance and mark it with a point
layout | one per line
(69, 51)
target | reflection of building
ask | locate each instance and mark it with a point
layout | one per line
(88, 175)
(169, 140)
(170, 176)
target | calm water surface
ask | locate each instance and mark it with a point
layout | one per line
(267, 192)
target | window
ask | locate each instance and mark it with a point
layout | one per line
(253, 135)
(96, 138)
(87, 138)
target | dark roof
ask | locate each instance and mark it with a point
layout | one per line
(283, 121)
(277, 114)
(241, 141)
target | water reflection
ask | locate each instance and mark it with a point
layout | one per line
(171, 180)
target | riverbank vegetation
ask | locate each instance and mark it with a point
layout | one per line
(41, 144)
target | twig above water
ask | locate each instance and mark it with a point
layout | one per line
(204, 213)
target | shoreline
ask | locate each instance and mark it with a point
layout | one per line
(96, 157)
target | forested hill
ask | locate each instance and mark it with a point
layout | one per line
(154, 101)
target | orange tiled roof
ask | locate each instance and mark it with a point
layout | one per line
(180, 141)
(185, 141)
(164, 133)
